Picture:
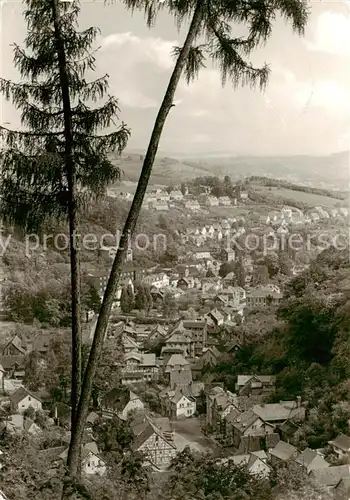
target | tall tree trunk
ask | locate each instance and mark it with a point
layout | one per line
(108, 299)
(72, 216)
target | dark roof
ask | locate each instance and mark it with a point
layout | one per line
(17, 343)
(20, 394)
(342, 441)
(116, 398)
(9, 362)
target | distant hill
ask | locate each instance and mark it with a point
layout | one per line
(328, 172)
(166, 171)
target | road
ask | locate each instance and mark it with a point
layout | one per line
(188, 433)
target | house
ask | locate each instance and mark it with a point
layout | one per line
(225, 201)
(341, 490)
(156, 280)
(219, 404)
(211, 201)
(129, 345)
(157, 333)
(330, 477)
(180, 341)
(31, 427)
(154, 443)
(159, 205)
(247, 425)
(185, 283)
(201, 253)
(178, 404)
(192, 205)
(199, 333)
(22, 399)
(259, 297)
(341, 446)
(228, 255)
(122, 402)
(144, 365)
(210, 285)
(197, 330)
(210, 356)
(12, 367)
(280, 412)
(255, 384)
(178, 371)
(217, 317)
(255, 462)
(91, 461)
(176, 195)
(282, 452)
(14, 348)
(130, 271)
(310, 460)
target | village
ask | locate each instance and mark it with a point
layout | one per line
(165, 390)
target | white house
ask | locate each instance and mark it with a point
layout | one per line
(158, 447)
(91, 462)
(157, 280)
(182, 405)
(224, 200)
(176, 194)
(134, 404)
(22, 399)
(192, 205)
(212, 201)
(341, 446)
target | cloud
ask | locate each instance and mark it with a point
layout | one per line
(154, 50)
(332, 34)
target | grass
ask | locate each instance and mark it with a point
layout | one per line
(300, 196)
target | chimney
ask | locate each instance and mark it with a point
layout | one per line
(298, 401)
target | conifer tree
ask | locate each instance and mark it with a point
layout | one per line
(59, 158)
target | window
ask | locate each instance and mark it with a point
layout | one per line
(29, 398)
(188, 404)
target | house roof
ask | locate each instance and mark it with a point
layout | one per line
(129, 342)
(148, 359)
(275, 411)
(178, 337)
(344, 482)
(9, 362)
(146, 433)
(283, 450)
(342, 442)
(330, 476)
(266, 379)
(245, 420)
(216, 314)
(177, 360)
(20, 394)
(311, 460)
(17, 343)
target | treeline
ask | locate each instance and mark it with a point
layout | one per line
(276, 201)
(309, 352)
(218, 187)
(267, 181)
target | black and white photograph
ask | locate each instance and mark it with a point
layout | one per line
(174, 250)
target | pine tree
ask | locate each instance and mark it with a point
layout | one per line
(140, 297)
(58, 160)
(212, 21)
(127, 299)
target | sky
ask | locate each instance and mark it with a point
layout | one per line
(304, 110)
